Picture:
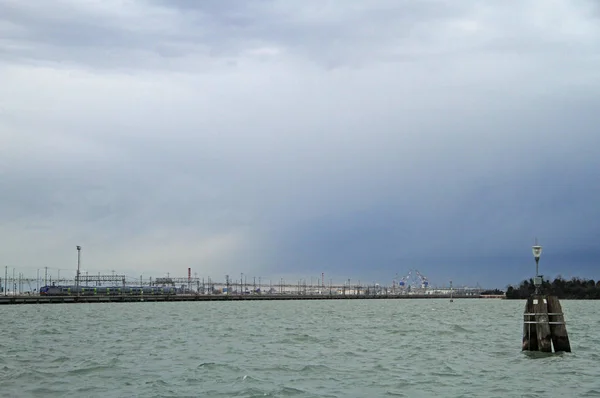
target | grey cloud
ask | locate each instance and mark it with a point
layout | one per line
(269, 163)
(329, 33)
(64, 27)
(333, 33)
(73, 34)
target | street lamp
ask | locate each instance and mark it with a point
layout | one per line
(537, 281)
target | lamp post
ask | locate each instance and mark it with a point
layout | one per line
(537, 281)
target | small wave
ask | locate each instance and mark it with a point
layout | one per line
(540, 355)
(157, 383)
(594, 356)
(395, 394)
(50, 331)
(249, 392)
(213, 366)
(45, 391)
(61, 359)
(458, 328)
(90, 370)
(398, 332)
(251, 379)
(208, 365)
(314, 368)
(289, 392)
(444, 371)
(306, 338)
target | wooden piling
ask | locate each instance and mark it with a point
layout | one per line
(544, 326)
(529, 328)
(540, 308)
(558, 328)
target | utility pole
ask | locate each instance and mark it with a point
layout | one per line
(78, 266)
(5, 280)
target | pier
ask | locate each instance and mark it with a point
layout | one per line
(37, 299)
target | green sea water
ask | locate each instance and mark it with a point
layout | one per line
(354, 348)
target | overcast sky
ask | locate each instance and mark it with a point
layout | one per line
(278, 138)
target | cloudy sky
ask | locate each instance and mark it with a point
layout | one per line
(283, 138)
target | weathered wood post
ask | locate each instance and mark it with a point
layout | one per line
(543, 323)
(558, 328)
(529, 328)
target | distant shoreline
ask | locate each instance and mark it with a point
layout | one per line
(7, 300)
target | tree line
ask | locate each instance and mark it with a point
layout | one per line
(496, 292)
(575, 288)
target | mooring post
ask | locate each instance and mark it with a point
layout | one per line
(543, 323)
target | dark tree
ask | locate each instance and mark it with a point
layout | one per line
(496, 292)
(576, 288)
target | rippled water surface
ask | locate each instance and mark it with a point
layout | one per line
(357, 348)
